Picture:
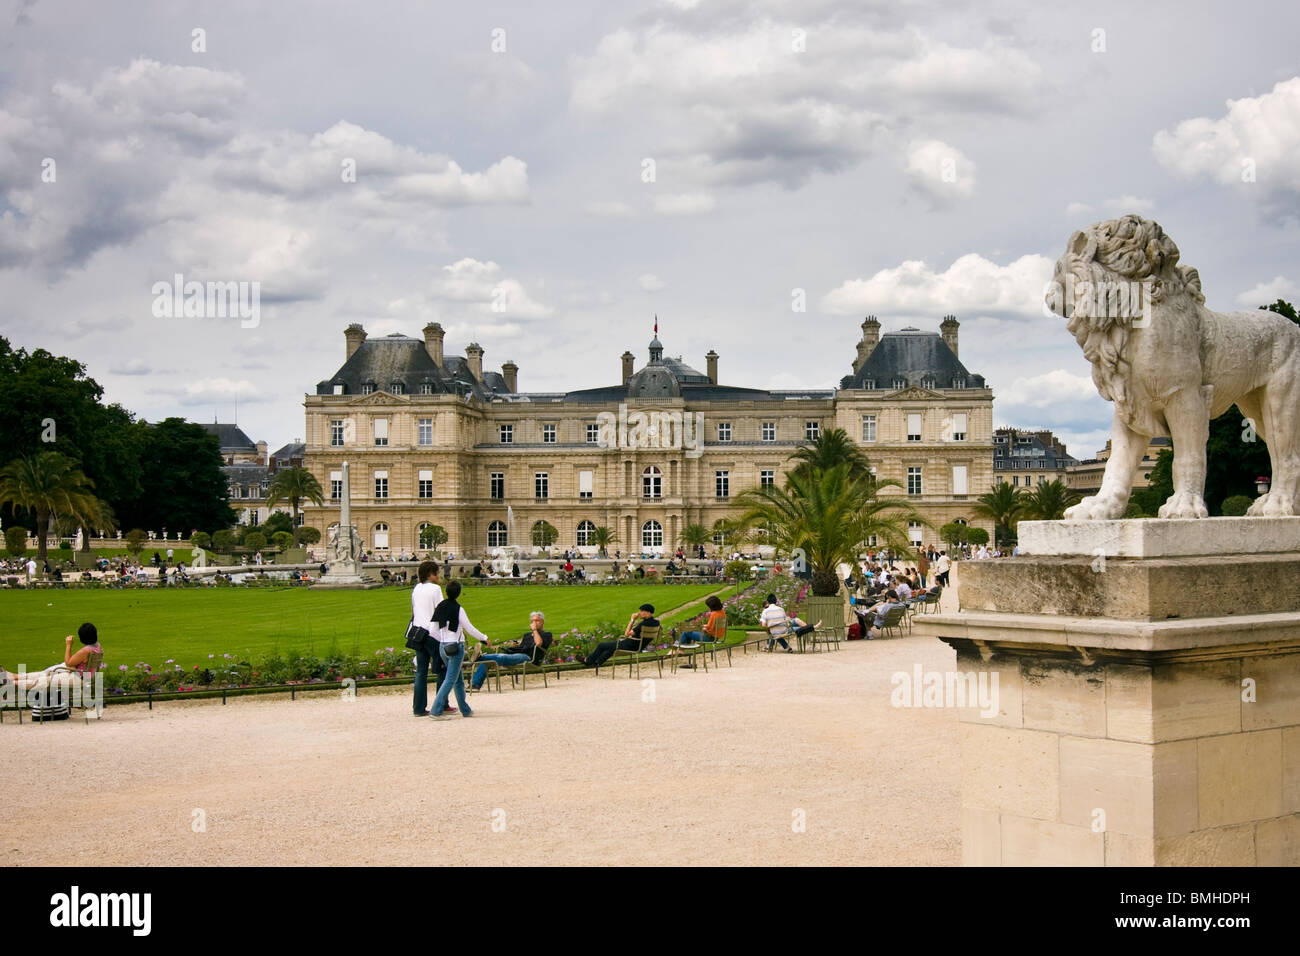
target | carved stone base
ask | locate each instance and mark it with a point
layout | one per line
(1123, 736)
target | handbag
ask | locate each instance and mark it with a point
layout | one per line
(416, 636)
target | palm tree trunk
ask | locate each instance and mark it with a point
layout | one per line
(42, 529)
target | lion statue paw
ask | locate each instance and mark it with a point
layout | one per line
(1184, 504)
(1096, 508)
(1273, 504)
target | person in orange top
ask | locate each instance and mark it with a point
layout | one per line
(715, 625)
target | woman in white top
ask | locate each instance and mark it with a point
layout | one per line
(425, 597)
(451, 625)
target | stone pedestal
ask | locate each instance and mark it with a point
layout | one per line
(1148, 706)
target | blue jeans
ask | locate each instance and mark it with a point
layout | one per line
(691, 637)
(455, 678)
(505, 660)
(423, 658)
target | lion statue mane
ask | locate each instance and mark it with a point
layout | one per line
(1169, 365)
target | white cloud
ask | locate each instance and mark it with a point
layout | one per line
(1076, 210)
(131, 367)
(972, 284)
(649, 282)
(938, 171)
(1269, 292)
(205, 391)
(492, 296)
(683, 204)
(1254, 146)
(1048, 388)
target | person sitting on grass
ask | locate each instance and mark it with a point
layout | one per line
(532, 648)
(631, 640)
(86, 660)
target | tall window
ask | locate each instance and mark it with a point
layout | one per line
(541, 485)
(586, 480)
(497, 485)
(812, 430)
(336, 432)
(913, 426)
(915, 533)
(381, 484)
(724, 431)
(914, 481)
(381, 431)
(767, 478)
(959, 426)
(419, 533)
(548, 434)
(652, 534)
(498, 537)
(425, 481)
(959, 479)
(868, 427)
(722, 484)
(769, 431)
(424, 432)
(379, 537)
(652, 483)
(586, 532)
(336, 485)
(593, 434)
(507, 433)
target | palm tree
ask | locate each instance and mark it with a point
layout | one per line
(1049, 499)
(1004, 505)
(49, 484)
(832, 447)
(602, 537)
(828, 515)
(695, 535)
(294, 485)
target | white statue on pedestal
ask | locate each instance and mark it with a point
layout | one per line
(1170, 365)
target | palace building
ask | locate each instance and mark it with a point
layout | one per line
(436, 439)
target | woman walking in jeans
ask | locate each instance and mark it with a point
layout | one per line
(451, 625)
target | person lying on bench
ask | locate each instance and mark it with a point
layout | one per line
(531, 648)
(631, 640)
(86, 660)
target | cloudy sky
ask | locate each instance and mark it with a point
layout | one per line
(544, 178)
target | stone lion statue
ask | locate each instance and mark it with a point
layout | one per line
(1169, 365)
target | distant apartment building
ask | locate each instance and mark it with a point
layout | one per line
(249, 468)
(1027, 457)
(1085, 476)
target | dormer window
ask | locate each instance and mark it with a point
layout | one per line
(338, 388)
(426, 388)
(900, 383)
(396, 388)
(927, 383)
(869, 384)
(367, 388)
(958, 383)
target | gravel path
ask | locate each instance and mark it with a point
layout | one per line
(715, 769)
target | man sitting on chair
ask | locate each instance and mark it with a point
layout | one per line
(631, 641)
(775, 621)
(532, 648)
(877, 614)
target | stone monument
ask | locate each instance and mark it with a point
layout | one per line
(1148, 670)
(342, 569)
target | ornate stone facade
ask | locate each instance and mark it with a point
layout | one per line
(436, 439)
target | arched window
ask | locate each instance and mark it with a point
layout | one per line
(652, 483)
(419, 532)
(586, 530)
(652, 534)
(379, 538)
(498, 537)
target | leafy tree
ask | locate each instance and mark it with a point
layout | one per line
(1004, 505)
(1236, 505)
(294, 485)
(307, 535)
(277, 521)
(977, 537)
(282, 540)
(184, 486)
(201, 539)
(602, 537)
(544, 534)
(254, 541)
(135, 540)
(828, 514)
(1161, 488)
(16, 541)
(433, 537)
(953, 533)
(47, 484)
(832, 447)
(223, 541)
(1048, 501)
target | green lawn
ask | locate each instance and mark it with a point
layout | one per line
(189, 624)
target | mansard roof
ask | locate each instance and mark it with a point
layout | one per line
(914, 357)
(381, 362)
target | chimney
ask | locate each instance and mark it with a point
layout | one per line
(261, 454)
(474, 357)
(870, 339)
(712, 359)
(948, 328)
(628, 359)
(433, 342)
(355, 335)
(510, 372)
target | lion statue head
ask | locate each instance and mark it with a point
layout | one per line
(1111, 276)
